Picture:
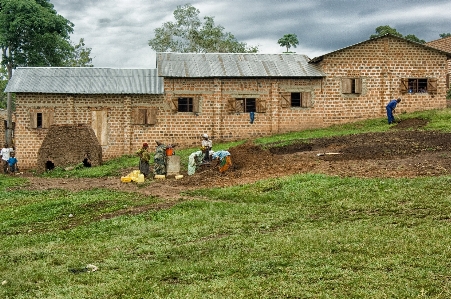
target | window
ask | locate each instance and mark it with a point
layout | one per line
(141, 116)
(419, 85)
(245, 105)
(351, 85)
(296, 99)
(41, 119)
(185, 104)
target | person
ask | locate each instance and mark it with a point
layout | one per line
(391, 109)
(5, 152)
(223, 159)
(160, 159)
(144, 158)
(12, 163)
(194, 160)
(207, 144)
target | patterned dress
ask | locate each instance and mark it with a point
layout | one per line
(160, 160)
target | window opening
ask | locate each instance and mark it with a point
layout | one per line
(39, 120)
(245, 105)
(418, 85)
(185, 105)
(295, 99)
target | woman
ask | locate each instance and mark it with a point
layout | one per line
(224, 160)
(144, 158)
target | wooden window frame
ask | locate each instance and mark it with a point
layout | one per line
(418, 85)
(144, 116)
(41, 119)
(246, 105)
(351, 85)
(193, 105)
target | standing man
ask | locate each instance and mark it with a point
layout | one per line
(5, 152)
(207, 144)
(391, 109)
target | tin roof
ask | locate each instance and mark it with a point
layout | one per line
(319, 58)
(199, 65)
(80, 80)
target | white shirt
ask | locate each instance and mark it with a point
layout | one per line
(207, 143)
(5, 153)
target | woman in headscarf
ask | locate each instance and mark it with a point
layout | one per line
(144, 158)
(160, 159)
(224, 160)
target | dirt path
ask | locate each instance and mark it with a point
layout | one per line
(403, 151)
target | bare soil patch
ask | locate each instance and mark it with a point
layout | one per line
(403, 151)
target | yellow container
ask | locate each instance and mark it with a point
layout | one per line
(140, 178)
(126, 179)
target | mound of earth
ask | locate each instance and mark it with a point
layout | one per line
(403, 151)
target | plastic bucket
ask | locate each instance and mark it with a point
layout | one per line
(169, 151)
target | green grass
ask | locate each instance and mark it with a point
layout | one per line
(304, 236)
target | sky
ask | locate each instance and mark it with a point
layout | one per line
(118, 31)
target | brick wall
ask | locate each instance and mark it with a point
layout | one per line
(443, 44)
(380, 64)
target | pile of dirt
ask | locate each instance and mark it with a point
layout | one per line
(403, 151)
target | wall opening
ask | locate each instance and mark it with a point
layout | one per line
(49, 165)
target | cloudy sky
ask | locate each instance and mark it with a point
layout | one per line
(118, 31)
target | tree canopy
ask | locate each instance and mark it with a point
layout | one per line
(382, 30)
(288, 41)
(443, 35)
(81, 55)
(33, 34)
(188, 34)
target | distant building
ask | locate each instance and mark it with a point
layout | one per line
(220, 93)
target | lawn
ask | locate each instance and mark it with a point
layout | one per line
(303, 236)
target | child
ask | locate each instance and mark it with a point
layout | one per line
(12, 162)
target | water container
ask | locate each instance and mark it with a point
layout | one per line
(140, 178)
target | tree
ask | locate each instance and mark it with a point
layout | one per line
(81, 55)
(443, 35)
(188, 34)
(31, 34)
(288, 41)
(386, 29)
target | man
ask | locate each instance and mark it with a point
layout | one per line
(391, 109)
(5, 152)
(207, 144)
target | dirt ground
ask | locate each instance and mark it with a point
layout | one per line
(403, 151)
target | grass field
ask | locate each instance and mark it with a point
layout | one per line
(304, 236)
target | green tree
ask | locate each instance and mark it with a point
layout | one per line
(443, 35)
(288, 41)
(386, 29)
(32, 34)
(188, 34)
(80, 56)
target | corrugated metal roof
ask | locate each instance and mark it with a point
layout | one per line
(319, 58)
(76, 80)
(200, 65)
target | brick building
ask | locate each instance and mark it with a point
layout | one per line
(228, 96)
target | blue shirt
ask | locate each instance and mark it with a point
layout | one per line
(12, 160)
(392, 104)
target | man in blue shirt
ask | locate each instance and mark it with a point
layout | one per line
(390, 109)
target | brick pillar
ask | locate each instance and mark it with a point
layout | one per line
(218, 110)
(274, 107)
(127, 126)
(70, 111)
